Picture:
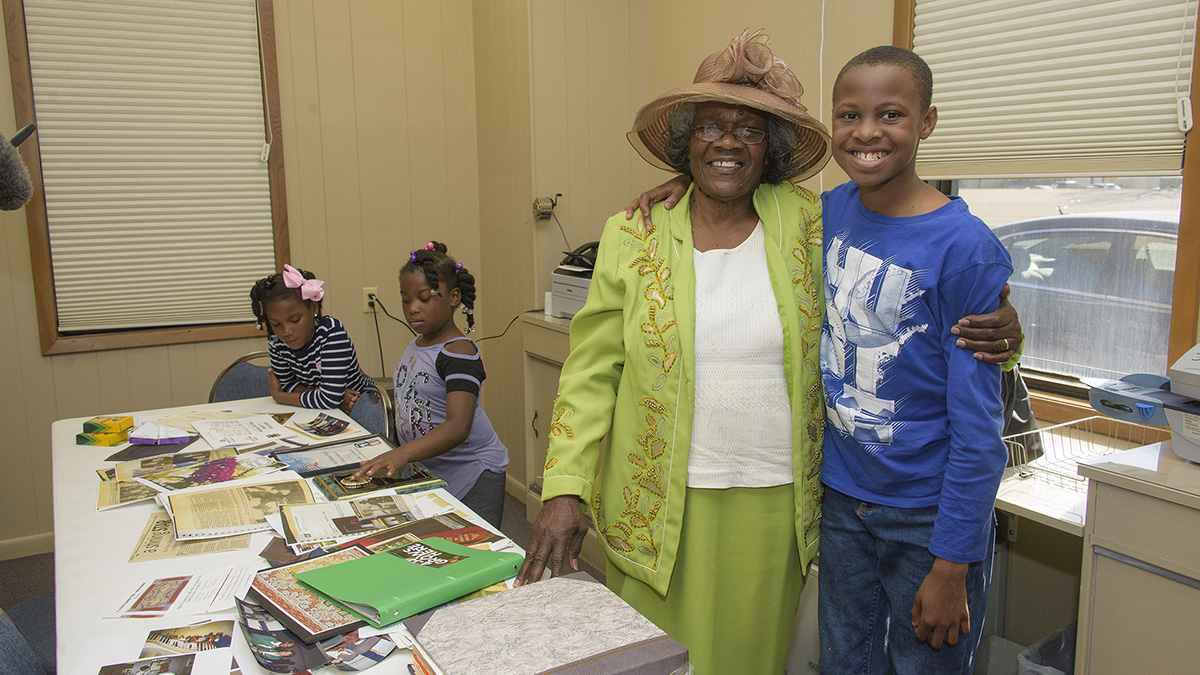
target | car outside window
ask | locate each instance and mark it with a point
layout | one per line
(1093, 269)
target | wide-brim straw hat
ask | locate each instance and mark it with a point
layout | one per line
(745, 73)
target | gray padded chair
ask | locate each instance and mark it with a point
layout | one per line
(374, 411)
(243, 379)
(27, 637)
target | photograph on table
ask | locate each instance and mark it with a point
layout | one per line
(209, 473)
(175, 665)
(115, 493)
(200, 637)
(331, 523)
(414, 477)
(140, 467)
(452, 526)
(282, 652)
(323, 425)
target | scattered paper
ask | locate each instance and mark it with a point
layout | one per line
(120, 655)
(192, 594)
(235, 433)
(158, 542)
(203, 513)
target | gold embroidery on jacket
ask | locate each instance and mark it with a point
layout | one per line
(636, 527)
(559, 426)
(808, 298)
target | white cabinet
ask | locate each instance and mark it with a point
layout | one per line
(1140, 596)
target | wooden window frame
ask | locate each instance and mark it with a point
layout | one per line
(54, 342)
(1058, 406)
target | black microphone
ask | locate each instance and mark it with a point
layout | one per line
(15, 186)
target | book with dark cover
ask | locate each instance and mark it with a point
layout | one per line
(386, 587)
(413, 478)
(570, 625)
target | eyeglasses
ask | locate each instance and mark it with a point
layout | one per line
(711, 132)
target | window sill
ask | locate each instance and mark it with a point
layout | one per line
(71, 344)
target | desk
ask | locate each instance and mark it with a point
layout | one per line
(91, 549)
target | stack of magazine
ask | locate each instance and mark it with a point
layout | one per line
(384, 577)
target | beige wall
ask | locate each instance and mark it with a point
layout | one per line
(404, 121)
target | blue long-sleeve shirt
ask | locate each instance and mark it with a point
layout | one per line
(912, 420)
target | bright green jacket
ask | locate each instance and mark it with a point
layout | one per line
(630, 377)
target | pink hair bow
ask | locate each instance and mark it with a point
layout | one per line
(310, 289)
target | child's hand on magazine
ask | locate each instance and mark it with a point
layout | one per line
(388, 464)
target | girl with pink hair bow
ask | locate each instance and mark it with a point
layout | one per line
(313, 362)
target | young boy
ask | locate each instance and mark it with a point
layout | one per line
(913, 455)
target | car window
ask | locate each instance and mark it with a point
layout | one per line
(1147, 269)
(1067, 260)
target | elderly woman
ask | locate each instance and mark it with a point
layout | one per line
(696, 354)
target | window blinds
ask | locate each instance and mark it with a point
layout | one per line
(1055, 88)
(151, 133)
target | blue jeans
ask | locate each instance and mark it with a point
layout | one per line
(873, 560)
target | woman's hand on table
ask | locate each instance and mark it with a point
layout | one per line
(388, 464)
(555, 539)
(994, 337)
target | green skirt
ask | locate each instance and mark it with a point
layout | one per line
(736, 583)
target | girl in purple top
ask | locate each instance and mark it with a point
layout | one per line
(439, 419)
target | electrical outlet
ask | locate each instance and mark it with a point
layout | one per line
(368, 291)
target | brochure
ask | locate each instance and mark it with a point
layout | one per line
(246, 431)
(186, 594)
(336, 456)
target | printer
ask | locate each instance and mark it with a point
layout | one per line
(1145, 398)
(570, 280)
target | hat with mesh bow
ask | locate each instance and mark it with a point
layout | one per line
(745, 73)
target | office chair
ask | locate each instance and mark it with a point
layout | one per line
(242, 379)
(374, 412)
(27, 637)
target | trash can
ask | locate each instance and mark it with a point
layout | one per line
(1053, 655)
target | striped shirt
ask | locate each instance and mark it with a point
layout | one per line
(327, 364)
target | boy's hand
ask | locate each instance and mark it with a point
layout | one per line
(669, 193)
(389, 463)
(939, 612)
